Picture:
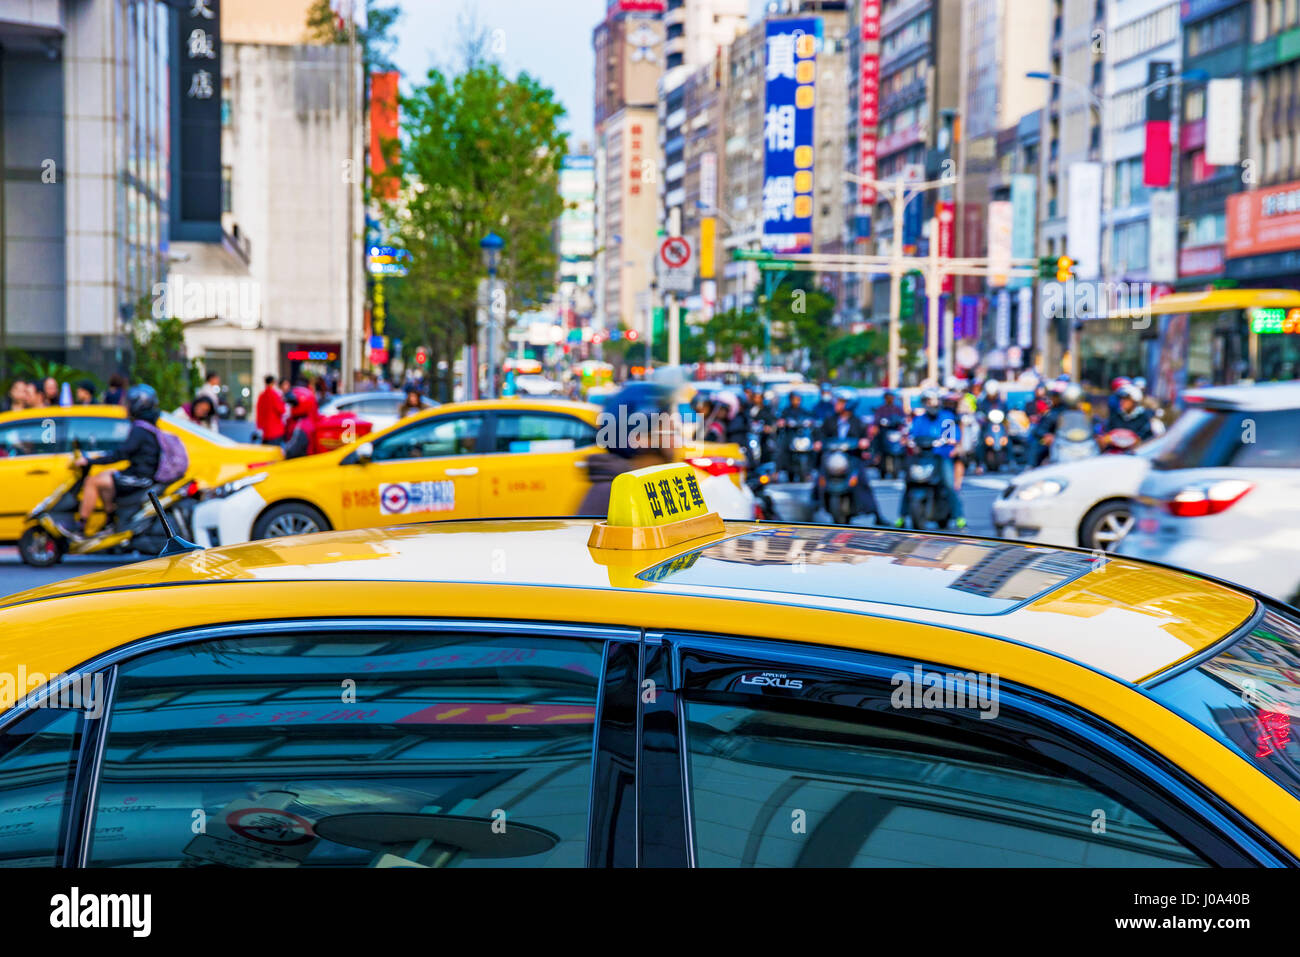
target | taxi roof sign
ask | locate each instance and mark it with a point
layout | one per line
(655, 507)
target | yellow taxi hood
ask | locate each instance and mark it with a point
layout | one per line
(1116, 616)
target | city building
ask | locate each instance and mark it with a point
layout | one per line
(704, 174)
(629, 55)
(85, 88)
(575, 238)
(741, 216)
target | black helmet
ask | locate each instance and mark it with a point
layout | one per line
(142, 403)
(649, 399)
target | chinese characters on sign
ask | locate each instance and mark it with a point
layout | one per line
(198, 54)
(675, 496)
(868, 103)
(788, 133)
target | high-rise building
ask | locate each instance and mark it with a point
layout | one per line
(629, 48)
(85, 88)
(575, 237)
(741, 205)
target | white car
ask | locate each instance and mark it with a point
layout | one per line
(1087, 503)
(1223, 494)
(378, 408)
(537, 385)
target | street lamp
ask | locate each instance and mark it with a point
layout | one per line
(491, 244)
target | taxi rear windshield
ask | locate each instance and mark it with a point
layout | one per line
(963, 575)
(1248, 696)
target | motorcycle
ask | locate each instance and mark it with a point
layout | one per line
(1119, 442)
(924, 497)
(760, 484)
(802, 438)
(133, 527)
(994, 442)
(891, 452)
(1074, 438)
(837, 479)
(758, 448)
(1019, 430)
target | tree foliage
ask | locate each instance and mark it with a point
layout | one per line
(376, 39)
(158, 357)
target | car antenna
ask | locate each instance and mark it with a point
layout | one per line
(175, 544)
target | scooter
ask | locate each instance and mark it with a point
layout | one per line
(891, 447)
(924, 497)
(994, 444)
(760, 484)
(1119, 442)
(1074, 438)
(801, 450)
(836, 479)
(133, 527)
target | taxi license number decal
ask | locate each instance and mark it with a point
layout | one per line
(406, 498)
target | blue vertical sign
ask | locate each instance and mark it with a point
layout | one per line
(788, 133)
(1024, 221)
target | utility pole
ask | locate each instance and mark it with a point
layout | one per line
(896, 205)
(674, 334)
(933, 285)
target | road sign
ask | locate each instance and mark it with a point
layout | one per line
(676, 265)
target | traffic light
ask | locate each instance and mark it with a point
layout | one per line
(1064, 269)
(1046, 267)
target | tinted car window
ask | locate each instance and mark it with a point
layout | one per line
(1216, 438)
(357, 750)
(33, 437)
(38, 755)
(99, 435)
(774, 788)
(429, 438)
(541, 432)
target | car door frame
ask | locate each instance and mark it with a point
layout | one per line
(1184, 807)
(611, 823)
(576, 456)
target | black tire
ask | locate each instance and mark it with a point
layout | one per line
(841, 512)
(1104, 522)
(916, 510)
(289, 518)
(39, 548)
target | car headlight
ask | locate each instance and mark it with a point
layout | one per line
(1043, 488)
(231, 487)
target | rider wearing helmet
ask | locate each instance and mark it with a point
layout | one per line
(992, 398)
(939, 427)
(1130, 413)
(141, 451)
(1065, 396)
(637, 430)
(1117, 385)
(300, 431)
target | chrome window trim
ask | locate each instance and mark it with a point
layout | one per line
(91, 806)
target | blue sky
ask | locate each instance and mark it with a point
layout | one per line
(551, 39)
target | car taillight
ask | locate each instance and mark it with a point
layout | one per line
(192, 488)
(717, 466)
(1208, 499)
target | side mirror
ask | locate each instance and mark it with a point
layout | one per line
(365, 452)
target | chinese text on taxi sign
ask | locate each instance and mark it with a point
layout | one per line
(674, 497)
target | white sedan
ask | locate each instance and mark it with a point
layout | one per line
(1088, 503)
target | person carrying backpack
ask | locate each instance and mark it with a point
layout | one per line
(151, 455)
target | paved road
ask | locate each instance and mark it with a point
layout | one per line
(978, 493)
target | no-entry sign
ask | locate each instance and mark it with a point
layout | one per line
(676, 265)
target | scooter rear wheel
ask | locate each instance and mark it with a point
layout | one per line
(40, 549)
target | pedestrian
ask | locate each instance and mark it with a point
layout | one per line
(50, 389)
(412, 405)
(116, 392)
(202, 411)
(35, 395)
(85, 393)
(300, 431)
(17, 398)
(270, 411)
(212, 388)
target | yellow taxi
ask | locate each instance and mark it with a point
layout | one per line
(492, 458)
(36, 447)
(661, 688)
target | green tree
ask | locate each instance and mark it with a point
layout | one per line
(801, 316)
(159, 359)
(376, 38)
(481, 153)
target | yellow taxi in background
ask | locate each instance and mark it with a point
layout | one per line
(661, 688)
(36, 452)
(491, 458)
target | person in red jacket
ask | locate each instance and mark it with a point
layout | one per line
(301, 438)
(270, 412)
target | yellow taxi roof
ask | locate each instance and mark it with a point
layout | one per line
(1119, 617)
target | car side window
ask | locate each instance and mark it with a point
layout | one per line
(38, 756)
(376, 406)
(776, 785)
(1274, 442)
(431, 438)
(541, 432)
(321, 749)
(47, 436)
(98, 435)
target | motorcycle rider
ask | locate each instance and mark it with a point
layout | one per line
(1068, 396)
(141, 451)
(843, 424)
(825, 405)
(887, 413)
(992, 398)
(636, 449)
(940, 427)
(786, 426)
(1129, 413)
(759, 413)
